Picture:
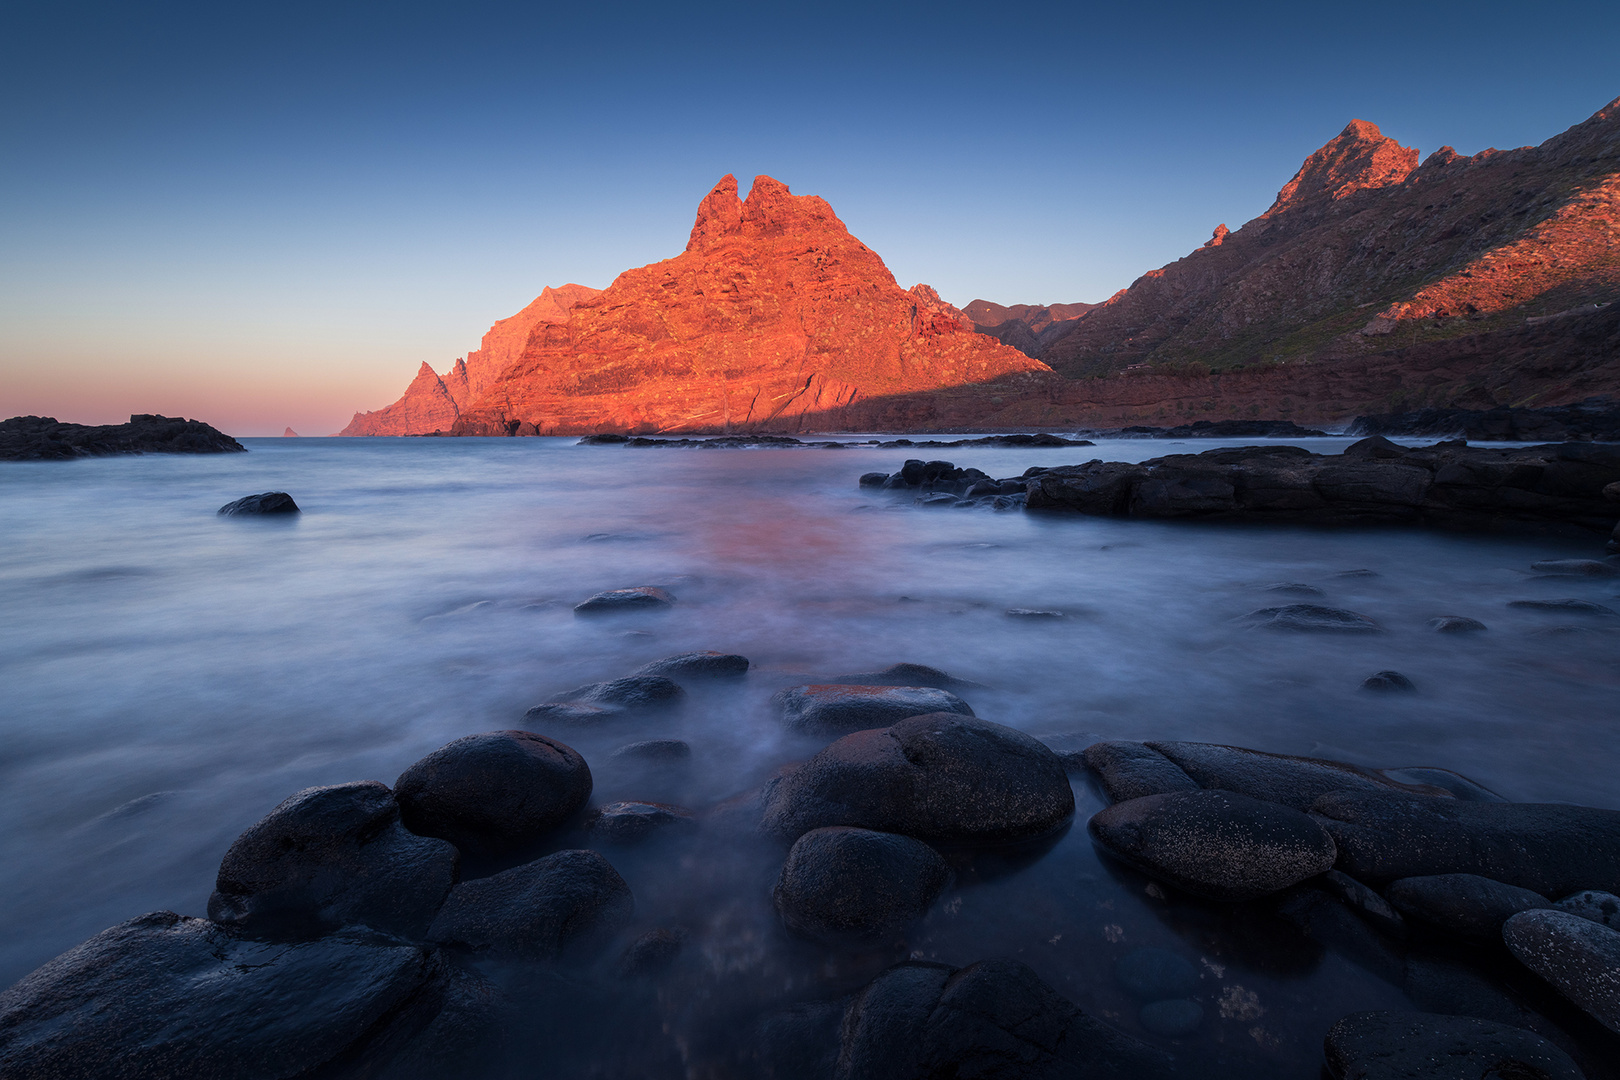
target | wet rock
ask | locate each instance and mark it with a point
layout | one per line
(1455, 624)
(1172, 1018)
(698, 665)
(1575, 568)
(329, 857)
(270, 502)
(1550, 848)
(1387, 681)
(1465, 904)
(664, 750)
(942, 778)
(1033, 613)
(995, 1018)
(906, 675)
(1364, 901)
(873, 479)
(1294, 588)
(1215, 844)
(1601, 907)
(845, 885)
(836, 709)
(1310, 618)
(43, 438)
(562, 904)
(937, 499)
(187, 999)
(652, 953)
(1564, 607)
(595, 703)
(1428, 1046)
(629, 822)
(493, 792)
(1130, 770)
(1579, 957)
(642, 598)
(1281, 778)
(1153, 974)
(1427, 779)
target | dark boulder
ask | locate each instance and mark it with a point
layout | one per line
(595, 703)
(270, 502)
(330, 857)
(697, 665)
(1215, 844)
(1023, 613)
(1282, 778)
(841, 884)
(1550, 848)
(837, 709)
(652, 953)
(642, 598)
(1455, 624)
(1464, 904)
(1428, 1046)
(1602, 907)
(873, 479)
(187, 999)
(43, 438)
(1579, 957)
(562, 904)
(1294, 588)
(628, 822)
(942, 778)
(1388, 681)
(906, 675)
(1130, 770)
(1310, 618)
(493, 792)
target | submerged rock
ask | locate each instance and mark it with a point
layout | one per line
(942, 778)
(598, 702)
(1033, 613)
(628, 822)
(1565, 607)
(662, 750)
(1601, 907)
(642, 598)
(1575, 568)
(1455, 624)
(270, 502)
(1428, 1046)
(1579, 957)
(698, 665)
(837, 709)
(842, 884)
(494, 792)
(905, 675)
(329, 857)
(1465, 904)
(564, 903)
(1215, 844)
(1387, 681)
(1310, 618)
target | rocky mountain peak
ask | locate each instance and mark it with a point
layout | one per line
(1359, 157)
(719, 214)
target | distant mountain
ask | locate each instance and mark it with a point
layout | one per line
(1029, 328)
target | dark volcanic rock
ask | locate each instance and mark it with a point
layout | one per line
(1591, 904)
(493, 792)
(628, 822)
(1427, 1046)
(1130, 770)
(841, 884)
(596, 702)
(698, 665)
(1387, 681)
(942, 778)
(271, 502)
(1465, 904)
(626, 601)
(1596, 419)
(1456, 624)
(329, 857)
(906, 675)
(1311, 618)
(1215, 844)
(1293, 781)
(1550, 848)
(563, 903)
(42, 438)
(1579, 957)
(186, 999)
(836, 709)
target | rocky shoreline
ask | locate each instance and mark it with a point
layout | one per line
(44, 438)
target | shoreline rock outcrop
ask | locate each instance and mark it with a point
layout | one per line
(44, 438)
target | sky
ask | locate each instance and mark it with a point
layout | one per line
(269, 215)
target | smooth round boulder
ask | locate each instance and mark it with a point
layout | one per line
(1310, 618)
(494, 792)
(1601, 907)
(1152, 974)
(1455, 624)
(638, 600)
(1033, 614)
(1579, 957)
(1465, 904)
(629, 822)
(566, 903)
(841, 884)
(1215, 844)
(942, 778)
(269, 502)
(698, 665)
(1387, 682)
(329, 857)
(1428, 1046)
(838, 708)
(905, 675)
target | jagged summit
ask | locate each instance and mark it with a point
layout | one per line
(1360, 157)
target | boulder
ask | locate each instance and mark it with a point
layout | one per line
(841, 884)
(906, 675)
(595, 703)
(837, 709)
(330, 857)
(651, 953)
(628, 822)
(1600, 907)
(1465, 904)
(642, 598)
(187, 999)
(1294, 588)
(1428, 1046)
(1033, 613)
(1130, 770)
(942, 778)
(1455, 624)
(1310, 618)
(493, 792)
(562, 904)
(1387, 681)
(697, 665)
(1215, 844)
(270, 502)
(1550, 848)
(1579, 957)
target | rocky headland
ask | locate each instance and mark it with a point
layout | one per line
(44, 438)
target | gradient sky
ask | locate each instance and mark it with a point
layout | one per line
(267, 215)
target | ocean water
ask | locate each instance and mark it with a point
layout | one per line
(171, 675)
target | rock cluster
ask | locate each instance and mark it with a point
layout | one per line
(940, 483)
(44, 438)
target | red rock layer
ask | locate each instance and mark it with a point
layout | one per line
(773, 314)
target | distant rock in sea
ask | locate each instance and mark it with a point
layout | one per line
(44, 438)
(289, 434)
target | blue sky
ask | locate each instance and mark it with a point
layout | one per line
(270, 215)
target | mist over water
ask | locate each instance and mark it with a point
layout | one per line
(170, 675)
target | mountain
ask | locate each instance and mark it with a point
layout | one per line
(1029, 328)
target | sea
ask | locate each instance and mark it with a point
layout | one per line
(171, 675)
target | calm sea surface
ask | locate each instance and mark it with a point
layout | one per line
(169, 675)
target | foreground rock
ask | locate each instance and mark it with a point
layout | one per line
(1465, 904)
(942, 778)
(270, 502)
(641, 598)
(1427, 1046)
(493, 792)
(1373, 481)
(43, 438)
(1215, 844)
(697, 665)
(172, 997)
(596, 702)
(330, 857)
(841, 884)
(837, 709)
(566, 903)
(995, 1018)
(1579, 957)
